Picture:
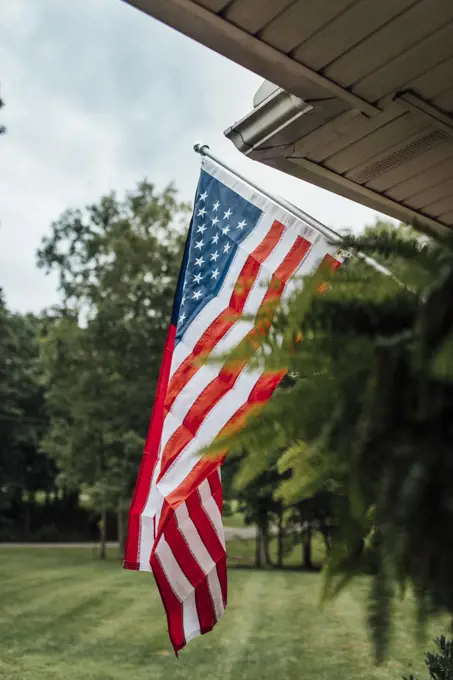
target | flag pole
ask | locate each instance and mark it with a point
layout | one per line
(332, 236)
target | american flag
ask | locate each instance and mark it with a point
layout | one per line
(242, 256)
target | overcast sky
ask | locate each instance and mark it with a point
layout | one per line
(99, 96)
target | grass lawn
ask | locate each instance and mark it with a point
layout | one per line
(66, 616)
(235, 520)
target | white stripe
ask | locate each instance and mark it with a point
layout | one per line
(145, 541)
(190, 620)
(178, 581)
(212, 509)
(149, 518)
(193, 539)
(216, 594)
(201, 554)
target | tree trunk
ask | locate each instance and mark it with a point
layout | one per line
(258, 542)
(266, 544)
(102, 535)
(281, 536)
(121, 530)
(27, 518)
(326, 537)
(306, 549)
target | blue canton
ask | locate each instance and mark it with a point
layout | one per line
(221, 221)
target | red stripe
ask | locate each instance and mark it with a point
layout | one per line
(149, 458)
(222, 324)
(204, 526)
(207, 531)
(216, 489)
(260, 394)
(173, 607)
(331, 262)
(278, 282)
(222, 574)
(181, 551)
(231, 370)
(205, 607)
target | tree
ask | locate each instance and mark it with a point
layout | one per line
(256, 501)
(368, 419)
(23, 420)
(117, 263)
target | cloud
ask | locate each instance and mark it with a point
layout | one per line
(98, 96)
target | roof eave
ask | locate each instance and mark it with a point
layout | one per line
(278, 112)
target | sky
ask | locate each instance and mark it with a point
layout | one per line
(99, 96)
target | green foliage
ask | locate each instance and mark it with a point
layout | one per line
(440, 663)
(117, 263)
(368, 418)
(23, 418)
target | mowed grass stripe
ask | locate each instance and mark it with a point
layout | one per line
(86, 620)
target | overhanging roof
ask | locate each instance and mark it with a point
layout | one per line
(373, 84)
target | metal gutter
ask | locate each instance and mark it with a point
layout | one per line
(275, 113)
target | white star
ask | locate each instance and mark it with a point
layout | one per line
(203, 196)
(225, 230)
(216, 206)
(215, 256)
(183, 300)
(181, 318)
(226, 215)
(215, 274)
(199, 244)
(197, 295)
(201, 229)
(241, 225)
(214, 221)
(226, 248)
(197, 278)
(215, 238)
(201, 212)
(199, 261)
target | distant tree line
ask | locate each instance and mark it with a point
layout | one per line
(77, 382)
